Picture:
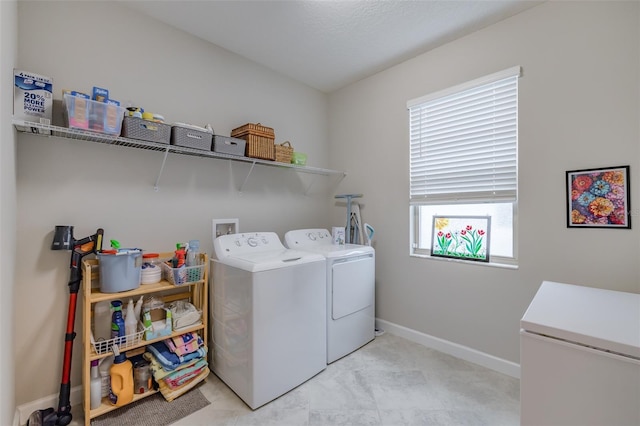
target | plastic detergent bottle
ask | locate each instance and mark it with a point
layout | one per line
(95, 386)
(102, 321)
(117, 320)
(121, 379)
(104, 368)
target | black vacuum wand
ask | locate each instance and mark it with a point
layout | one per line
(63, 240)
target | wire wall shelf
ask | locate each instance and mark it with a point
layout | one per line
(48, 130)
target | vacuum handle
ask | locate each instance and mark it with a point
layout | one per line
(99, 238)
(81, 248)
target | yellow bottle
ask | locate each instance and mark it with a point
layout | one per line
(121, 379)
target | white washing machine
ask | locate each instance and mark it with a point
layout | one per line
(350, 289)
(268, 316)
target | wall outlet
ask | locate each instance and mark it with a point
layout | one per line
(225, 226)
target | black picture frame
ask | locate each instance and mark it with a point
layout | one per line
(599, 198)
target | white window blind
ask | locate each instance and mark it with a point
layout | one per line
(464, 142)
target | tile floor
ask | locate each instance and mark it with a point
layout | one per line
(390, 381)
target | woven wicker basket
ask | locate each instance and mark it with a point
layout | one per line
(284, 151)
(260, 140)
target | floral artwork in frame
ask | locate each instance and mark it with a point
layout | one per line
(461, 237)
(598, 198)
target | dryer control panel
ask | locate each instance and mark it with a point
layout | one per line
(307, 237)
(234, 244)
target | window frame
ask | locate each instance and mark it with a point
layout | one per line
(425, 252)
(414, 204)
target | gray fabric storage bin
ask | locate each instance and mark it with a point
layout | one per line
(190, 138)
(228, 145)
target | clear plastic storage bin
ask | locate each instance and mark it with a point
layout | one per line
(85, 114)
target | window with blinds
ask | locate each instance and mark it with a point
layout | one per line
(464, 156)
(464, 142)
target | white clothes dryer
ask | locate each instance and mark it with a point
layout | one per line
(268, 316)
(350, 289)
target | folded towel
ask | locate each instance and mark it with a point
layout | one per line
(183, 373)
(171, 361)
(184, 344)
(160, 373)
(184, 339)
(183, 376)
(171, 394)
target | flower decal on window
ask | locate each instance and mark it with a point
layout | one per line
(461, 237)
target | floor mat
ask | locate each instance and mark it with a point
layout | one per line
(154, 410)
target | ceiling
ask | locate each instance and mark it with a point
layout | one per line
(330, 44)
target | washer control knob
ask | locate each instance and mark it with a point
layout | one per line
(238, 243)
(311, 236)
(252, 242)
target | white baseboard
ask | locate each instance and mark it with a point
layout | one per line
(459, 351)
(24, 411)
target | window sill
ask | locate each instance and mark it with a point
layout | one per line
(466, 262)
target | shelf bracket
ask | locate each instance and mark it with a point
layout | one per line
(247, 177)
(313, 180)
(164, 160)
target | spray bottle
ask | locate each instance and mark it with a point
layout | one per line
(117, 321)
(193, 253)
(131, 322)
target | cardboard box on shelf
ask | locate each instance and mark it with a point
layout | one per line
(32, 98)
(161, 315)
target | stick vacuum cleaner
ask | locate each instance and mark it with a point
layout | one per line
(63, 240)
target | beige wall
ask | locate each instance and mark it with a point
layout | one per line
(578, 108)
(91, 185)
(8, 33)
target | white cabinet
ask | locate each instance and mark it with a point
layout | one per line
(580, 357)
